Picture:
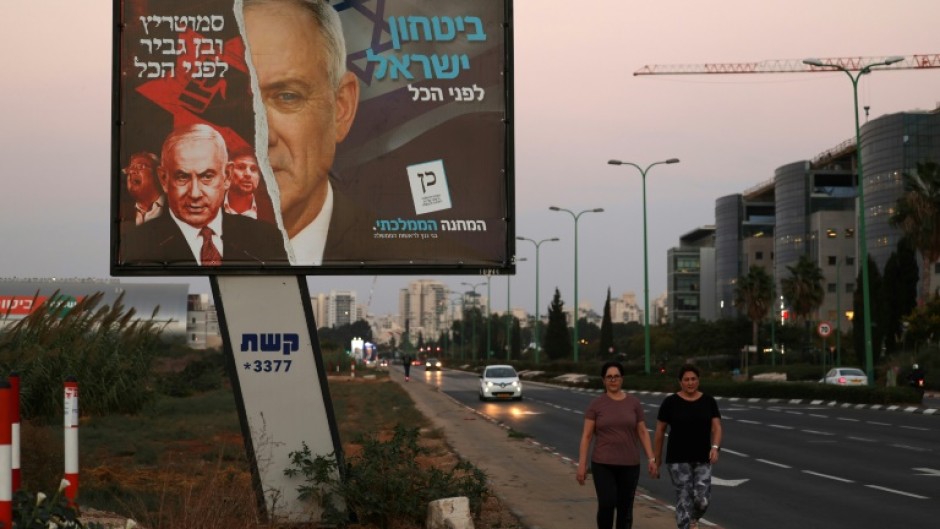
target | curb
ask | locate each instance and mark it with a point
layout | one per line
(918, 410)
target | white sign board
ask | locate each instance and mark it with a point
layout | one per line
(824, 329)
(280, 383)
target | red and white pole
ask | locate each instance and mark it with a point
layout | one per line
(352, 369)
(15, 420)
(6, 471)
(71, 438)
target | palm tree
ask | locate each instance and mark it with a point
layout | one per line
(918, 216)
(753, 296)
(803, 290)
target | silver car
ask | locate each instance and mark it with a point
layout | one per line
(846, 376)
(500, 382)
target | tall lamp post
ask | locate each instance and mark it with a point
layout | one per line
(576, 216)
(509, 312)
(646, 275)
(862, 242)
(489, 347)
(538, 308)
(473, 324)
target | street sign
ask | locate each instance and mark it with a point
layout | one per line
(824, 329)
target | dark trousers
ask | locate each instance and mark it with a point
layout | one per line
(615, 486)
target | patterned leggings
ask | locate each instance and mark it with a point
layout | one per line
(693, 483)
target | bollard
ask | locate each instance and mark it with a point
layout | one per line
(71, 438)
(15, 420)
(352, 370)
(6, 485)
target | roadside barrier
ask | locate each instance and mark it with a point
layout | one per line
(71, 438)
(6, 471)
(15, 431)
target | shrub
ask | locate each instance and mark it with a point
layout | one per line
(384, 483)
(107, 349)
(37, 511)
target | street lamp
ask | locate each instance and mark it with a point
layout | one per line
(538, 308)
(646, 275)
(476, 299)
(576, 216)
(509, 312)
(862, 242)
(489, 351)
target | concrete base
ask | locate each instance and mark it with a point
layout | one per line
(450, 513)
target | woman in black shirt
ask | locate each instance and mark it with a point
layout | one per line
(694, 424)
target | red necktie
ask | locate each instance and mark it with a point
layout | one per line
(209, 255)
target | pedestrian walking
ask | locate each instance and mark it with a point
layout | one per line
(694, 427)
(617, 425)
(406, 363)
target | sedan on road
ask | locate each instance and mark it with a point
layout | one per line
(500, 382)
(845, 376)
(433, 364)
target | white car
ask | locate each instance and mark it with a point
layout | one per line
(846, 376)
(500, 382)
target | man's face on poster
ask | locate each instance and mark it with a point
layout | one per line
(306, 114)
(245, 174)
(140, 178)
(195, 179)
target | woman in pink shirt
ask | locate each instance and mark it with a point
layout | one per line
(616, 424)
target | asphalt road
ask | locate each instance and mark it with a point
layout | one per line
(782, 465)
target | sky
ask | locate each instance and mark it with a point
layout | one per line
(577, 105)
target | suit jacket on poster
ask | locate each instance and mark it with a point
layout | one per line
(245, 241)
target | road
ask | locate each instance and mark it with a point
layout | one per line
(782, 465)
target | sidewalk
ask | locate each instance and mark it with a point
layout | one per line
(537, 485)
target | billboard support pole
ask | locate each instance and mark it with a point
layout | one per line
(275, 364)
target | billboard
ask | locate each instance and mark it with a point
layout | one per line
(312, 137)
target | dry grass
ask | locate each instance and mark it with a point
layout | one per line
(183, 466)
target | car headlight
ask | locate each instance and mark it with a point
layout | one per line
(515, 383)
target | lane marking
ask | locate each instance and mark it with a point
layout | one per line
(924, 471)
(814, 432)
(745, 421)
(781, 427)
(915, 428)
(899, 492)
(908, 447)
(773, 463)
(819, 415)
(847, 419)
(827, 476)
(734, 453)
(863, 439)
(876, 423)
(728, 482)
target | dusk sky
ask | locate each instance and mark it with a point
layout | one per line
(577, 104)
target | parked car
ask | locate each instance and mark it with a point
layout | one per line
(433, 364)
(845, 376)
(500, 382)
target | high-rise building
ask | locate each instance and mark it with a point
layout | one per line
(690, 288)
(423, 309)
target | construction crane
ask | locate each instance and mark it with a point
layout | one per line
(908, 62)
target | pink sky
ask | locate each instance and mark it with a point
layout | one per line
(577, 105)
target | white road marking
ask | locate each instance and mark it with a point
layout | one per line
(846, 419)
(773, 463)
(876, 423)
(818, 416)
(728, 482)
(827, 476)
(814, 432)
(931, 472)
(749, 422)
(901, 492)
(863, 439)
(780, 426)
(734, 453)
(795, 412)
(915, 428)
(908, 447)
